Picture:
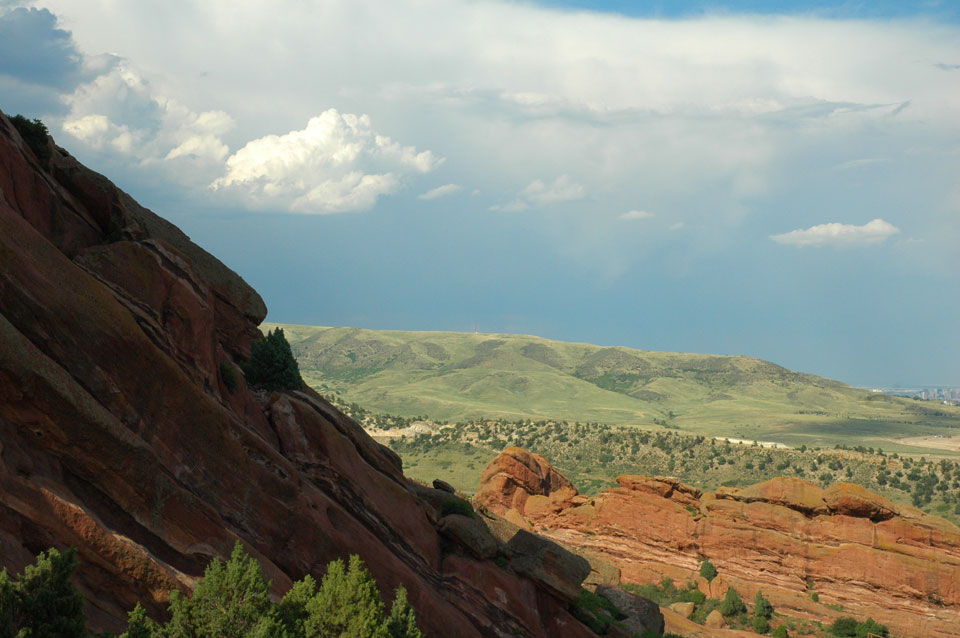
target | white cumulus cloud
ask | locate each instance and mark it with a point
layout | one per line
(835, 234)
(337, 163)
(440, 191)
(540, 193)
(637, 214)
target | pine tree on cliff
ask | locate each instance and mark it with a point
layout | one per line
(732, 604)
(232, 600)
(347, 604)
(402, 622)
(762, 611)
(43, 601)
(272, 365)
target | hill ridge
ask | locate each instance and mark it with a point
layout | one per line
(457, 376)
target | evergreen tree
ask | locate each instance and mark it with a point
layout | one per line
(139, 625)
(232, 600)
(292, 610)
(43, 602)
(732, 604)
(708, 571)
(761, 625)
(7, 602)
(402, 622)
(347, 604)
(272, 365)
(761, 606)
(34, 133)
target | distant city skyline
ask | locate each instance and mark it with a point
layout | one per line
(777, 180)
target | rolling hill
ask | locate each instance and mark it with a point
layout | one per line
(452, 376)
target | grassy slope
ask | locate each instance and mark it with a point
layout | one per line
(459, 376)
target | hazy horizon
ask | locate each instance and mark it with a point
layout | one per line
(743, 178)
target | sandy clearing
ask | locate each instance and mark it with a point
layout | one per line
(937, 441)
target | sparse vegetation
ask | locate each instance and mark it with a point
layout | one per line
(455, 505)
(732, 604)
(595, 611)
(708, 571)
(232, 600)
(34, 133)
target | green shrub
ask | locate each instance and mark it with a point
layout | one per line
(761, 625)
(780, 632)
(42, 601)
(702, 611)
(761, 606)
(34, 133)
(595, 611)
(271, 365)
(732, 604)
(454, 505)
(871, 626)
(708, 571)
(815, 597)
(844, 626)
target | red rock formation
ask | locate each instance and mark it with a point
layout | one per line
(859, 550)
(119, 436)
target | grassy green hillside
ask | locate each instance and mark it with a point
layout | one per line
(462, 376)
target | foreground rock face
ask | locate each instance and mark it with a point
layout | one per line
(121, 436)
(857, 549)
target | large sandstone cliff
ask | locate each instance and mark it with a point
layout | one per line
(855, 549)
(119, 436)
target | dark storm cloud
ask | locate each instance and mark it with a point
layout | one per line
(34, 50)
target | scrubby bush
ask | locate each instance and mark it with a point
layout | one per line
(732, 604)
(595, 611)
(455, 505)
(780, 632)
(271, 365)
(707, 570)
(845, 626)
(761, 625)
(761, 606)
(34, 133)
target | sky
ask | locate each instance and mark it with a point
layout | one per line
(778, 180)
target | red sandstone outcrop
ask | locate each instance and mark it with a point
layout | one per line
(857, 549)
(119, 435)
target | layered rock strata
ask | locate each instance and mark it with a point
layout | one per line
(127, 431)
(862, 554)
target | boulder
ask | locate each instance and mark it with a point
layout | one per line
(853, 500)
(515, 475)
(602, 572)
(469, 533)
(684, 609)
(641, 615)
(786, 491)
(444, 486)
(715, 620)
(547, 563)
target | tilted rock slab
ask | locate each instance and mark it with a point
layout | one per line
(120, 437)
